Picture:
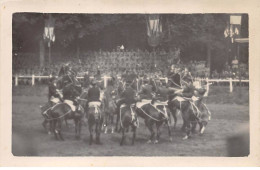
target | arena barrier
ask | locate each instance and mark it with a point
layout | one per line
(106, 78)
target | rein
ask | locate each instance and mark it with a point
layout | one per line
(159, 109)
(150, 116)
(60, 116)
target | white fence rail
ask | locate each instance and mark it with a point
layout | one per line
(208, 81)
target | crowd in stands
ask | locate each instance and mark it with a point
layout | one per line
(232, 71)
(116, 62)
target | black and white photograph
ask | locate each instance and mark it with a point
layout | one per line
(130, 84)
(127, 83)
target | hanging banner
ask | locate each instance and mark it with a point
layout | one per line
(154, 30)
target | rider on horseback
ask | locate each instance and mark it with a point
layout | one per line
(94, 95)
(128, 98)
(53, 91)
(146, 90)
(70, 95)
(174, 77)
(54, 96)
(186, 76)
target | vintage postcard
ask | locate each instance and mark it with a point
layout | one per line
(138, 83)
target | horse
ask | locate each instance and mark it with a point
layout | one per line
(96, 118)
(62, 111)
(153, 115)
(110, 108)
(120, 88)
(193, 113)
(125, 115)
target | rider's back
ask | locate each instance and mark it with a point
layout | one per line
(93, 94)
(129, 95)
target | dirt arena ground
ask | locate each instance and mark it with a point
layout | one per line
(30, 139)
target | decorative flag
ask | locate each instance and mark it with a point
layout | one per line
(154, 30)
(233, 29)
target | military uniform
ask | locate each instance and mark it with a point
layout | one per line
(146, 91)
(175, 78)
(94, 94)
(128, 98)
(187, 77)
(52, 90)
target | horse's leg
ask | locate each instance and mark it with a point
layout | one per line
(202, 127)
(174, 115)
(150, 127)
(77, 124)
(169, 132)
(98, 132)
(50, 127)
(188, 131)
(44, 124)
(123, 136)
(134, 134)
(112, 122)
(79, 129)
(193, 127)
(158, 124)
(54, 127)
(184, 125)
(117, 120)
(59, 129)
(67, 124)
(90, 126)
(106, 122)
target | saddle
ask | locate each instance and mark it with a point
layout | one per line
(134, 119)
(54, 100)
(142, 103)
(70, 104)
(160, 103)
(96, 105)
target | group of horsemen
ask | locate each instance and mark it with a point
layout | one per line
(150, 90)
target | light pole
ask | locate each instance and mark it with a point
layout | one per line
(48, 34)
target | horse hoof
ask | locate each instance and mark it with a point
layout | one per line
(186, 137)
(156, 141)
(202, 130)
(149, 141)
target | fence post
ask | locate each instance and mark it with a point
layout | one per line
(230, 85)
(105, 81)
(33, 79)
(207, 87)
(16, 80)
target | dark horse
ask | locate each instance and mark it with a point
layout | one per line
(63, 111)
(95, 118)
(154, 116)
(62, 82)
(125, 116)
(193, 113)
